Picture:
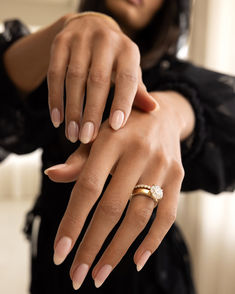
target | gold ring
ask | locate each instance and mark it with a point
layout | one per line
(154, 192)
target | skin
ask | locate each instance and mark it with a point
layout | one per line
(66, 55)
(145, 151)
(133, 18)
(136, 154)
(130, 155)
(99, 50)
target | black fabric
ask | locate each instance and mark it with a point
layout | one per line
(208, 159)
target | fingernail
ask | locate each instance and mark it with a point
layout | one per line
(79, 275)
(62, 250)
(73, 131)
(117, 119)
(143, 259)
(87, 132)
(102, 275)
(55, 117)
(55, 167)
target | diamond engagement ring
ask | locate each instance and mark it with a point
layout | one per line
(154, 192)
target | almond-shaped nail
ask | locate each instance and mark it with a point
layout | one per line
(79, 275)
(55, 167)
(117, 120)
(55, 117)
(87, 132)
(62, 249)
(73, 131)
(143, 259)
(102, 275)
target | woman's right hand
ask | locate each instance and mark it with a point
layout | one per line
(88, 54)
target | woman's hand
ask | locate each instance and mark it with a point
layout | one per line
(87, 55)
(146, 151)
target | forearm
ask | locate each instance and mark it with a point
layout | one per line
(180, 109)
(26, 61)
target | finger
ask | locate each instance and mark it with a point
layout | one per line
(126, 84)
(84, 195)
(107, 214)
(76, 79)
(144, 101)
(166, 215)
(137, 216)
(55, 79)
(70, 170)
(98, 86)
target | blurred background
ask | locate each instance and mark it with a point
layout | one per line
(207, 221)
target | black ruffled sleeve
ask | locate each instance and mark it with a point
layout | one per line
(24, 123)
(209, 154)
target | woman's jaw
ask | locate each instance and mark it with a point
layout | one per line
(133, 15)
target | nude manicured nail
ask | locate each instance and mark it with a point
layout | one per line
(117, 119)
(55, 167)
(73, 131)
(55, 117)
(87, 132)
(62, 249)
(143, 259)
(102, 275)
(79, 275)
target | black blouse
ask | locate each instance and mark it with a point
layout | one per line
(208, 159)
(208, 155)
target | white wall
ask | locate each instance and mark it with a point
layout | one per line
(213, 42)
(36, 12)
(207, 221)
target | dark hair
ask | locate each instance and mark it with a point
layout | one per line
(161, 36)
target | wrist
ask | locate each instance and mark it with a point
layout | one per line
(177, 108)
(103, 16)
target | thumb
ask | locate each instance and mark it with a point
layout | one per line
(144, 101)
(70, 170)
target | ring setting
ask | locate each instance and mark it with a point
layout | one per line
(154, 192)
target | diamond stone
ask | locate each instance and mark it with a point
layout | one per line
(156, 192)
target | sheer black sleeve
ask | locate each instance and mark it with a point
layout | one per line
(209, 154)
(24, 123)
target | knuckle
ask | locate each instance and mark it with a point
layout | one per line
(169, 216)
(101, 33)
(128, 76)
(177, 170)
(154, 239)
(162, 159)
(61, 38)
(116, 251)
(113, 37)
(142, 146)
(141, 216)
(76, 72)
(133, 49)
(52, 74)
(72, 219)
(99, 78)
(90, 184)
(112, 209)
(106, 35)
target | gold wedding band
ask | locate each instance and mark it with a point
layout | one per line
(154, 192)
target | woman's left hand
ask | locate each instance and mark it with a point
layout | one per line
(145, 151)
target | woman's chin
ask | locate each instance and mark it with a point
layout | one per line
(126, 14)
